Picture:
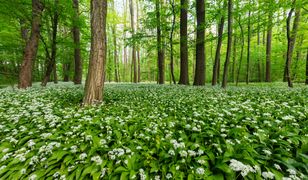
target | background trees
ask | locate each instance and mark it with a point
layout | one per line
(149, 41)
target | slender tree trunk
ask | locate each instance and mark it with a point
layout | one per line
(183, 44)
(291, 36)
(138, 47)
(171, 41)
(234, 59)
(160, 51)
(25, 75)
(200, 40)
(134, 63)
(268, 48)
(242, 51)
(95, 78)
(248, 49)
(225, 74)
(51, 64)
(76, 38)
(55, 75)
(66, 72)
(306, 68)
(115, 54)
(216, 67)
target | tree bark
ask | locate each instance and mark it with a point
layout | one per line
(51, 64)
(217, 55)
(200, 40)
(160, 51)
(225, 74)
(248, 48)
(242, 50)
(268, 48)
(291, 36)
(183, 44)
(171, 2)
(76, 38)
(234, 59)
(95, 78)
(25, 75)
(306, 68)
(132, 21)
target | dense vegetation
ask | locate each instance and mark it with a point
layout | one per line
(149, 131)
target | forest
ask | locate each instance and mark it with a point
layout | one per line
(154, 89)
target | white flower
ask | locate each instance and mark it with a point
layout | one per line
(31, 143)
(169, 176)
(191, 153)
(157, 177)
(268, 175)
(183, 153)
(97, 159)
(33, 177)
(267, 152)
(82, 156)
(201, 161)
(2, 167)
(171, 152)
(200, 171)
(103, 172)
(5, 150)
(239, 166)
(277, 166)
(292, 171)
(23, 171)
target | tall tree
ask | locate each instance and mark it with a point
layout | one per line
(95, 78)
(225, 74)
(132, 22)
(291, 37)
(306, 67)
(76, 38)
(183, 44)
(51, 63)
(248, 45)
(160, 50)
(171, 2)
(216, 66)
(25, 75)
(200, 49)
(269, 44)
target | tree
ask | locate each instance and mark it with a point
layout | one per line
(200, 50)
(51, 63)
(132, 22)
(291, 37)
(269, 44)
(216, 66)
(160, 51)
(25, 75)
(76, 38)
(95, 78)
(183, 44)
(171, 2)
(225, 74)
(248, 46)
(306, 68)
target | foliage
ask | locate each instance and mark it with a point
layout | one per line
(149, 131)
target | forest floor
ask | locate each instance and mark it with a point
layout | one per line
(148, 131)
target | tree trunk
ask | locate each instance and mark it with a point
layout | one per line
(66, 72)
(55, 76)
(132, 21)
(183, 44)
(95, 78)
(25, 75)
(51, 64)
(306, 68)
(217, 55)
(171, 41)
(160, 51)
(225, 74)
(200, 40)
(234, 59)
(138, 47)
(291, 36)
(268, 48)
(76, 38)
(242, 51)
(248, 49)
